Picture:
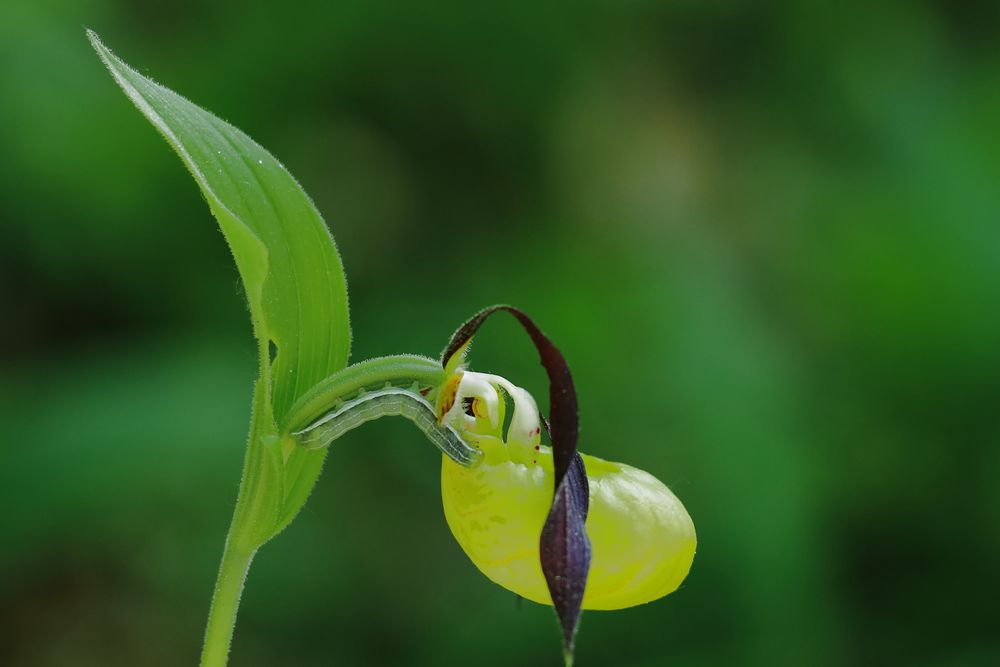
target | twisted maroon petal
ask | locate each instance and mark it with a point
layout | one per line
(563, 546)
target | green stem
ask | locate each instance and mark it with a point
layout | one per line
(225, 603)
(257, 505)
(270, 493)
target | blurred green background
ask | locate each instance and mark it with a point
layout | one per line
(766, 236)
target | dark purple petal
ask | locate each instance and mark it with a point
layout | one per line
(563, 546)
(565, 550)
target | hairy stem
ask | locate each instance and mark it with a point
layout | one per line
(251, 526)
(225, 603)
(270, 495)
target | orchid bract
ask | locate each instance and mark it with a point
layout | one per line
(551, 525)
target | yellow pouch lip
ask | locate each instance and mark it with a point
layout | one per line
(642, 537)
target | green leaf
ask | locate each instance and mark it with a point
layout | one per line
(291, 271)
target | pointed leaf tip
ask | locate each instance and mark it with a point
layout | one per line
(291, 271)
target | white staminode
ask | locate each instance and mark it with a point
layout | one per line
(525, 424)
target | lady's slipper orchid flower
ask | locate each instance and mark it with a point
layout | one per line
(642, 538)
(525, 513)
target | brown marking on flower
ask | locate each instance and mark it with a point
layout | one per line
(448, 394)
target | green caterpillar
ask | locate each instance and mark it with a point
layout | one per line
(389, 402)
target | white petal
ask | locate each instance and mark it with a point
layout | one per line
(476, 385)
(525, 424)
